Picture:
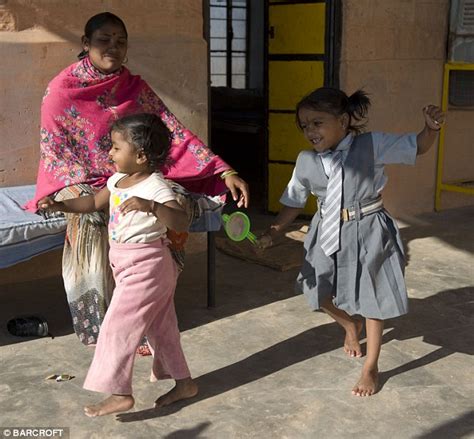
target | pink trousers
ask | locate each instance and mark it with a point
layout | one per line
(142, 304)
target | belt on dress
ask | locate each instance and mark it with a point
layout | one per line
(360, 210)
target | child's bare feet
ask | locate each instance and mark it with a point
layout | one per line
(351, 342)
(183, 389)
(112, 404)
(367, 384)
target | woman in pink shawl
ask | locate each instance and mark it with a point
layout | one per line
(77, 110)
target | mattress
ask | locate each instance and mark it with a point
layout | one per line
(23, 234)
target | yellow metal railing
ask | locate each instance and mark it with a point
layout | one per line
(461, 186)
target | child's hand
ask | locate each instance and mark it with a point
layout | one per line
(47, 203)
(434, 117)
(136, 203)
(264, 241)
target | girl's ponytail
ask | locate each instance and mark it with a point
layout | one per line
(358, 104)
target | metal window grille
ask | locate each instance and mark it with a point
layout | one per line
(461, 50)
(229, 43)
(461, 31)
(461, 88)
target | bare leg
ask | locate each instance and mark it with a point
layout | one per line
(112, 404)
(368, 382)
(185, 388)
(352, 327)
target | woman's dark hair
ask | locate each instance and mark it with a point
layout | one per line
(336, 102)
(148, 134)
(98, 21)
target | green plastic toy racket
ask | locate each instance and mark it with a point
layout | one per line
(237, 227)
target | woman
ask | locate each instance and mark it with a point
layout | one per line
(77, 110)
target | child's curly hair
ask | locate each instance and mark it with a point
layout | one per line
(148, 134)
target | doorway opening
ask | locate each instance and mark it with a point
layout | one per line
(260, 51)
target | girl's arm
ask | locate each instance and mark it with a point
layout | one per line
(87, 204)
(171, 214)
(285, 218)
(434, 118)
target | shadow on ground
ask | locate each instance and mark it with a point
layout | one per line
(461, 427)
(240, 286)
(454, 227)
(444, 320)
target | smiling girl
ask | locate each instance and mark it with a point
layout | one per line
(354, 261)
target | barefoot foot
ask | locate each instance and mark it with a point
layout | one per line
(183, 389)
(351, 342)
(113, 404)
(367, 384)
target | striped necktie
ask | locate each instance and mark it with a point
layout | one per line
(331, 223)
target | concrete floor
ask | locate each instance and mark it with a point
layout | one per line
(268, 367)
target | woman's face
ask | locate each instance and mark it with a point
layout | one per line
(107, 47)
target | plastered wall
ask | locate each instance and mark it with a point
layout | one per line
(39, 38)
(395, 50)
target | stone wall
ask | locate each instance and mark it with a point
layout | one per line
(395, 50)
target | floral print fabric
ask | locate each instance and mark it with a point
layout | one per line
(78, 108)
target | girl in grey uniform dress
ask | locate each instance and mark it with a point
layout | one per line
(354, 261)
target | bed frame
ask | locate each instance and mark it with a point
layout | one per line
(24, 235)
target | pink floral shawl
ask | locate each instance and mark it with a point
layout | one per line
(77, 110)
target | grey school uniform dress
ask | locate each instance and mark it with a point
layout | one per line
(366, 275)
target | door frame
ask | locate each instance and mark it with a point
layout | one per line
(331, 60)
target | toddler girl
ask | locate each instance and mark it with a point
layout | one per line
(142, 206)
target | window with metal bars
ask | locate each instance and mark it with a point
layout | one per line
(461, 49)
(229, 43)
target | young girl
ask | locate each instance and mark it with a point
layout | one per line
(142, 207)
(354, 261)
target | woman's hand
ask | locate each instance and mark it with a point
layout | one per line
(434, 117)
(136, 203)
(239, 190)
(47, 203)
